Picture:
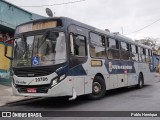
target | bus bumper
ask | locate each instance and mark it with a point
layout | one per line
(64, 88)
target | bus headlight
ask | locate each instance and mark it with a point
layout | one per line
(55, 81)
(62, 77)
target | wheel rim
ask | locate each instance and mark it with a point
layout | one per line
(96, 88)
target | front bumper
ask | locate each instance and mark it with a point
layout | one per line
(64, 88)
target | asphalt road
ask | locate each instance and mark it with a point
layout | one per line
(124, 99)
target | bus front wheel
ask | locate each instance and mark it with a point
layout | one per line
(98, 88)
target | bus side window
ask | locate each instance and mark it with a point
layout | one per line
(125, 52)
(113, 49)
(77, 45)
(134, 53)
(71, 44)
(137, 53)
(97, 45)
(147, 56)
(80, 45)
(140, 53)
(143, 55)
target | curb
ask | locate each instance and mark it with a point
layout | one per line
(21, 100)
(5, 82)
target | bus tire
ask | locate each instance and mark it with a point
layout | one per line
(98, 88)
(140, 81)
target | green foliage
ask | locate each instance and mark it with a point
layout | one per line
(152, 42)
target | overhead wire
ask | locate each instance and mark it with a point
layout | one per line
(144, 27)
(71, 2)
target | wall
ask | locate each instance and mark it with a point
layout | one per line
(11, 15)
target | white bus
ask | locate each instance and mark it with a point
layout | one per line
(63, 57)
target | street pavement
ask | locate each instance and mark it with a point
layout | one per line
(124, 99)
(6, 95)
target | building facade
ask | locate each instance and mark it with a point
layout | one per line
(10, 17)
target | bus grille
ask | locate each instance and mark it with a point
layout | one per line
(39, 88)
(32, 72)
(36, 71)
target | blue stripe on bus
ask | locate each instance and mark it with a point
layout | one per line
(77, 71)
(119, 67)
(63, 70)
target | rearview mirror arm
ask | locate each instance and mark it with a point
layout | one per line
(5, 50)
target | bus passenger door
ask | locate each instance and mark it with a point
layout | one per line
(78, 57)
(78, 84)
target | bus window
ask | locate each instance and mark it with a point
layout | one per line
(97, 46)
(125, 54)
(140, 53)
(143, 54)
(78, 45)
(133, 48)
(71, 44)
(147, 56)
(144, 51)
(134, 53)
(137, 49)
(113, 49)
(124, 46)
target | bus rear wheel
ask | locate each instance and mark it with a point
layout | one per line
(140, 81)
(98, 88)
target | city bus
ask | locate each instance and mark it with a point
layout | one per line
(60, 56)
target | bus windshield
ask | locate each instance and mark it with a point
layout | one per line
(40, 50)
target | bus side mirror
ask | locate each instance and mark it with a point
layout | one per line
(6, 49)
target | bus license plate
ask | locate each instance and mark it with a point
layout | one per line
(31, 90)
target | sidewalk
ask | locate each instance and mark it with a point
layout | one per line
(7, 97)
(157, 74)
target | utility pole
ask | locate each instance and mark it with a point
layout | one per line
(122, 30)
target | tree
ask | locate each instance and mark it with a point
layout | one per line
(150, 42)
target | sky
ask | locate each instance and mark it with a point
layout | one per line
(116, 15)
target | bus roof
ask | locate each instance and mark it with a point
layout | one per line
(72, 21)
